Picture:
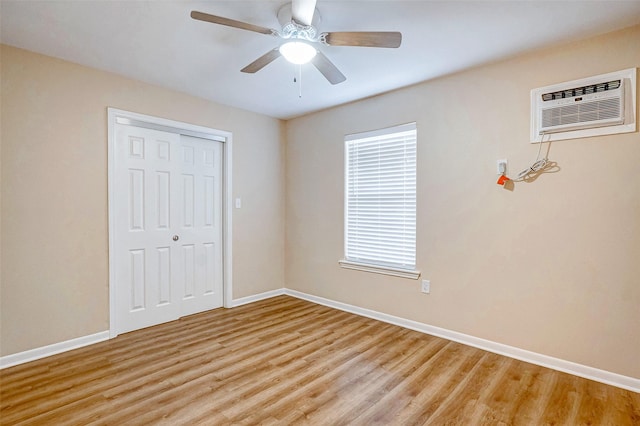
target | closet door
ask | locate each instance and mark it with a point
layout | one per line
(167, 257)
(200, 224)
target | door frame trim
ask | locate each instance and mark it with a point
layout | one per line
(141, 120)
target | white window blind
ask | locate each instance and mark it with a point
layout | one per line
(380, 197)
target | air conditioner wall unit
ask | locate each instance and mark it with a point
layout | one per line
(598, 105)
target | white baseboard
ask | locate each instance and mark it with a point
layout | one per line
(613, 379)
(56, 348)
(256, 297)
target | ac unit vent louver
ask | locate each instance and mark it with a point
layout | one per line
(609, 110)
(587, 107)
(596, 105)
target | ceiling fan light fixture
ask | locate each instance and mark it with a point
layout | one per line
(297, 52)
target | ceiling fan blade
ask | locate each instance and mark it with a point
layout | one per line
(363, 38)
(262, 61)
(326, 67)
(201, 16)
(302, 11)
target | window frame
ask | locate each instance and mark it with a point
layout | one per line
(379, 268)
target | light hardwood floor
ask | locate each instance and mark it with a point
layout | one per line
(287, 361)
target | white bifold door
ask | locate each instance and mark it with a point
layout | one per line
(168, 226)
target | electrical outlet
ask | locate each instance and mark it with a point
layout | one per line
(426, 286)
(501, 166)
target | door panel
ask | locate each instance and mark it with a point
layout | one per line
(164, 199)
(136, 200)
(145, 258)
(202, 223)
(138, 282)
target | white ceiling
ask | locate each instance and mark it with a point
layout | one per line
(157, 42)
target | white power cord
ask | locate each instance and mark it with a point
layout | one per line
(539, 165)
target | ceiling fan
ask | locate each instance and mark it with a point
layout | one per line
(300, 34)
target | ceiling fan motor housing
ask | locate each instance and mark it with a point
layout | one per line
(297, 31)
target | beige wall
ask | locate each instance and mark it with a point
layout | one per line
(54, 193)
(552, 266)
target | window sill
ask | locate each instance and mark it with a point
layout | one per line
(396, 272)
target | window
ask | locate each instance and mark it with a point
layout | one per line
(380, 201)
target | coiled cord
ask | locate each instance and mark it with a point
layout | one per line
(538, 166)
(534, 168)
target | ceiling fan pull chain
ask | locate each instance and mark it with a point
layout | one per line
(300, 81)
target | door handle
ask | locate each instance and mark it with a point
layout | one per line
(176, 238)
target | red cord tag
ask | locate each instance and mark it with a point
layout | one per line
(502, 180)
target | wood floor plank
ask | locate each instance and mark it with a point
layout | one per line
(479, 390)
(481, 382)
(285, 361)
(430, 403)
